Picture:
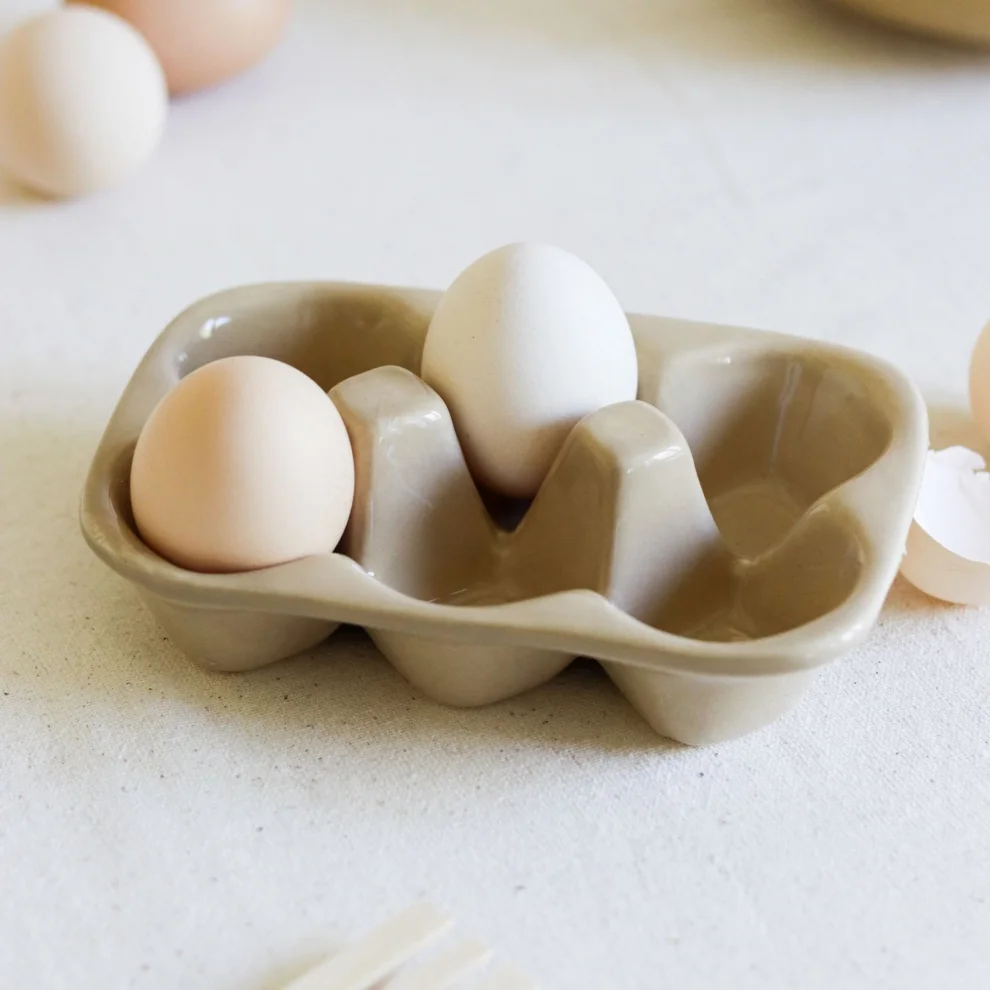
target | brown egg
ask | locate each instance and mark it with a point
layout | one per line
(203, 42)
(244, 464)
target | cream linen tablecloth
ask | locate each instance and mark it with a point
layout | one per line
(760, 162)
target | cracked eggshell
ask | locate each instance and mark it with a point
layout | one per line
(979, 382)
(527, 341)
(948, 549)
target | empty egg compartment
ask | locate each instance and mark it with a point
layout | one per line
(784, 441)
(711, 544)
(421, 526)
(623, 513)
(776, 434)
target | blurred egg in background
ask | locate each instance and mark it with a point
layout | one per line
(83, 101)
(203, 42)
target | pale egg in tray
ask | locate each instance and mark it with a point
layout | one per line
(712, 543)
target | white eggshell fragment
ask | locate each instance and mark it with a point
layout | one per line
(246, 463)
(979, 382)
(948, 549)
(83, 101)
(526, 342)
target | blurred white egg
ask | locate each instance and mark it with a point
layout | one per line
(948, 549)
(244, 464)
(526, 341)
(979, 382)
(83, 101)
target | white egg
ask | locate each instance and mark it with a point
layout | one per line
(948, 549)
(526, 342)
(83, 101)
(979, 382)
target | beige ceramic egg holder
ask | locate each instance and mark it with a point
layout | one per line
(711, 565)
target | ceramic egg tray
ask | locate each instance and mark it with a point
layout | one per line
(711, 544)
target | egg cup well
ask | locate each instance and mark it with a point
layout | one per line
(712, 543)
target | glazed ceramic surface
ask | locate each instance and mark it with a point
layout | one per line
(711, 543)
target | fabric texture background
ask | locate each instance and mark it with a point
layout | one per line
(760, 162)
